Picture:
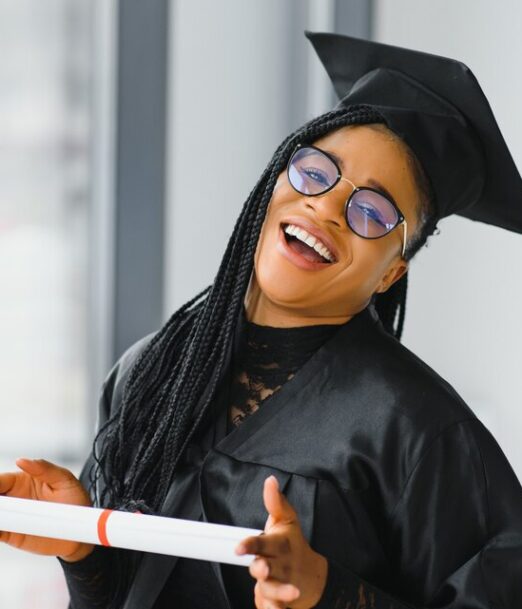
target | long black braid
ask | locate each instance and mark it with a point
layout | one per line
(391, 305)
(136, 451)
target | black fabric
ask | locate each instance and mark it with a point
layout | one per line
(437, 106)
(87, 581)
(267, 358)
(394, 478)
(192, 585)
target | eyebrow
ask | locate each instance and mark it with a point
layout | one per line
(371, 181)
(376, 184)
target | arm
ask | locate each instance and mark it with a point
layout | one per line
(291, 574)
(90, 579)
(456, 532)
(87, 579)
(344, 589)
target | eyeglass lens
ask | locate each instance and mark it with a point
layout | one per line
(369, 214)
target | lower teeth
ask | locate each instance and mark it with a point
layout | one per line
(290, 238)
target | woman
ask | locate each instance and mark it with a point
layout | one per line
(388, 491)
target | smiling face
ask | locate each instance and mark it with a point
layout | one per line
(286, 289)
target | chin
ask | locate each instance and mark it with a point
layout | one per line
(283, 287)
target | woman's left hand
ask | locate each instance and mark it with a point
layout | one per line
(288, 572)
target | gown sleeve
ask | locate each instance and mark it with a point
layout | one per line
(89, 580)
(455, 535)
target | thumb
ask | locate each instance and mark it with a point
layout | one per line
(47, 472)
(276, 504)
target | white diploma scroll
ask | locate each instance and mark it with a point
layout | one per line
(133, 531)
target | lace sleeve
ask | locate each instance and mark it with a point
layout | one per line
(87, 580)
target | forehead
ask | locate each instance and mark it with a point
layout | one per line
(373, 154)
(373, 144)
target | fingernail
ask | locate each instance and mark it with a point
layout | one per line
(274, 478)
(240, 548)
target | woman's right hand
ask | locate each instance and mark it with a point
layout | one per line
(44, 481)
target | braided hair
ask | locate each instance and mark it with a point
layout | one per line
(391, 305)
(136, 451)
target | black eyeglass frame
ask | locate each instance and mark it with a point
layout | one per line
(400, 216)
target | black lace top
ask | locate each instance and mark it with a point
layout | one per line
(267, 357)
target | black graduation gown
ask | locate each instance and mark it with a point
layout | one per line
(394, 478)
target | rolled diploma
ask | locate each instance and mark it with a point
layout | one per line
(133, 531)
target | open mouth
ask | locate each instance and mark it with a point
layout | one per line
(313, 252)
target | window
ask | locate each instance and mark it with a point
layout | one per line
(46, 76)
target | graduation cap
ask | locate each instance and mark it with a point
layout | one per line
(437, 107)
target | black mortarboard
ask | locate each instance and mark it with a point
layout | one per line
(437, 106)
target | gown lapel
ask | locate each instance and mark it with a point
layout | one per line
(242, 439)
(188, 502)
(182, 501)
(154, 569)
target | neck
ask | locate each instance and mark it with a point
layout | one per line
(264, 312)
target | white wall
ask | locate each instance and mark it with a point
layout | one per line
(464, 309)
(230, 107)
(231, 79)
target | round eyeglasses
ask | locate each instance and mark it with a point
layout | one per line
(368, 212)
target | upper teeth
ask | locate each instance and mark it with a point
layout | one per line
(310, 240)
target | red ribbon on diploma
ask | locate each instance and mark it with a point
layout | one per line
(102, 527)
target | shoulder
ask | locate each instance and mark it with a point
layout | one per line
(473, 473)
(419, 391)
(436, 423)
(391, 389)
(131, 354)
(112, 387)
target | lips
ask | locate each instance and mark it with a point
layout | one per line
(315, 231)
(297, 258)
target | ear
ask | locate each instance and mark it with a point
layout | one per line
(392, 275)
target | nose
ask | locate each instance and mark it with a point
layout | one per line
(329, 206)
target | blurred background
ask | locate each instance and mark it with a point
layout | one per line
(131, 134)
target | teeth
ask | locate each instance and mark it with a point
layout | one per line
(310, 240)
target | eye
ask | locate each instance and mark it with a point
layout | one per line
(316, 175)
(371, 213)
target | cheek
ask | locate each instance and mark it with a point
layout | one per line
(267, 264)
(368, 265)
(264, 234)
(269, 233)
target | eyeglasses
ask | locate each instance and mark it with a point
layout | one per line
(368, 212)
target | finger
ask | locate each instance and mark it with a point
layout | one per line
(259, 568)
(262, 568)
(258, 599)
(272, 545)
(7, 481)
(262, 603)
(5, 536)
(273, 605)
(276, 503)
(274, 590)
(45, 471)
